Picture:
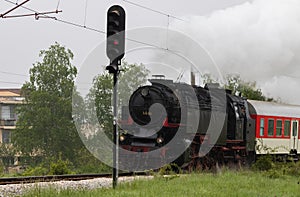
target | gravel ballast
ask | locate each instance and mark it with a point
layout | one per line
(21, 189)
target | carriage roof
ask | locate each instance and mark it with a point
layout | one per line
(274, 109)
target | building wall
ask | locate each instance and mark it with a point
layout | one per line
(9, 100)
(8, 119)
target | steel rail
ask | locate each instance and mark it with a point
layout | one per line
(68, 177)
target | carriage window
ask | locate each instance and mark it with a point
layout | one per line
(287, 127)
(270, 127)
(295, 128)
(279, 128)
(262, 127)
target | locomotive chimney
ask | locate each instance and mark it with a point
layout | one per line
(192, 78)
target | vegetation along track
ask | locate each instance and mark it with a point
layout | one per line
(69, 177)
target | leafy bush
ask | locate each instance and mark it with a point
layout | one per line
(273, 173)
(263, 163)
(292, 169)
(35, 171)
(276, 169)
(170, 169)
(2, 168)
(94, 167)
(60, 167)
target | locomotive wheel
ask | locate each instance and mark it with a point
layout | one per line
(199, 166)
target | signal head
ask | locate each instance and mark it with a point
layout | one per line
(115, 44)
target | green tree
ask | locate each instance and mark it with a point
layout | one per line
(130, 77)
(245, 88)
(207, 78)
(7, 154)
(45, 126)
(238, 86)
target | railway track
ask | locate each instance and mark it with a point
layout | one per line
(69, 177)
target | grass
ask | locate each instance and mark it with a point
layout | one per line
(228, 183)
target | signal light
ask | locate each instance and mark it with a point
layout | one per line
(115, 43)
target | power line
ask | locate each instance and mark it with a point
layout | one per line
(85, 27)
(153, 10)
(57, 19)
(85, 12)
(8, 82)
(17, 5)
(79, 25)
(57, 4)
(100, 31)
(10, 73)
(36, 14)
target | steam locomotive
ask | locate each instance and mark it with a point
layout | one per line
(210, 125)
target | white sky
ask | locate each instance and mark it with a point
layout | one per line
(23, 38)
(217, 24)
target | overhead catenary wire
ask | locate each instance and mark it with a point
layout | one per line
(100, 31)
(85, 12)
(10, 82)
(88, 28)
(59, 20)
(57, 4)
(168, 23)
(12, 9)
(153, 10)
(97, 30)
(17, 74)
(36, 14)
(103, 32)
(162, 13)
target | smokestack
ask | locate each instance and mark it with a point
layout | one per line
(192, 78)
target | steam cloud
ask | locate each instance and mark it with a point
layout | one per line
(260, 40)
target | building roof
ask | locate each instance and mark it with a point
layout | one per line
(7, 94)
(10, 96)
(10, 92)
(275, 109)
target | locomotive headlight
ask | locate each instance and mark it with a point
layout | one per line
(122, 138)
(159, 140)
(145, 92)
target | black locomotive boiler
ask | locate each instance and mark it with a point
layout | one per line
(210, 124)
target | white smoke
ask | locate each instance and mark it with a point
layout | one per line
(258, 40)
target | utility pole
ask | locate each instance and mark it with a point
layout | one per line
(115, 45)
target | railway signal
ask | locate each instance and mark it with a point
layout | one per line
(115, 43)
